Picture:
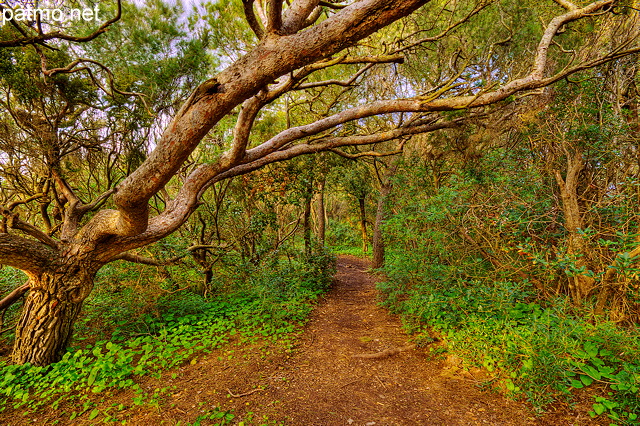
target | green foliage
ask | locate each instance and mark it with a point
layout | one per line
(341, 236)
(536, 351)
(451, 247)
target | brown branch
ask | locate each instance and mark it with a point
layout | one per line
(295, 18)
(397, 151)
(111, 91)
(331, 5)
(16, 203)
(134, 258)
(274, 16)
(251, 18)
(24, 254)
(14, 296)
(16, 223)
(477, 9)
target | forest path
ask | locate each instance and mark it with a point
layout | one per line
(326, 385)
(325, 380)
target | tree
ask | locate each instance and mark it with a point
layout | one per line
(294, 42)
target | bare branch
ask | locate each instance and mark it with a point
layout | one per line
(14, 296)
(331, 5)
(477, 9)
(134, 258)
(270, 59)
(16, 203)
(112, 90)
(369, 153)
(566, 4)
(251, 18)
(295, 18)
(274, 17)
(14, 222)
(242, 130)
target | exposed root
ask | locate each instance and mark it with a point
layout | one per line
(385, 353)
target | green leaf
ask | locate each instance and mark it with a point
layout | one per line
(591, 349)
(92, 376)
(595, 374)
(94, 414)
(598, 409)
(586, 380)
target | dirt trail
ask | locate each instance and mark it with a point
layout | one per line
(326, 385)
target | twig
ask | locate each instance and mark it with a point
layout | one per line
(385, 353)
(243, 394)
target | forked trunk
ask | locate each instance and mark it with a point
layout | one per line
(580, 285)
(363, 225)
(50, 310)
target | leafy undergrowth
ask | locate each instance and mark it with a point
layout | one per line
(534, 352)
(79, 384)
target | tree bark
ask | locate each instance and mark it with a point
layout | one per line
(580, 285)
(377, 260)
(50, 310)
(363, 225)
(306, 224)
(320, 210)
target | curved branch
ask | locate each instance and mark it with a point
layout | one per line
(295, 18)
(14, 222)
(250, 16)
(272, 58)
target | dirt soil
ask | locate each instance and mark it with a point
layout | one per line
(353, 365)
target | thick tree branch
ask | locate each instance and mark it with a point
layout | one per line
(14, 222)
(273, 57)
(26, 255)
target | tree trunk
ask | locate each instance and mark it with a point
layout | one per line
(306, 225)
(50, 310)
(580, 285)
(377, 260)
(363, 225)
(322, 224)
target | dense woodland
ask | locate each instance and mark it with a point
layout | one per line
(171, 174)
